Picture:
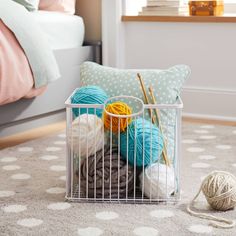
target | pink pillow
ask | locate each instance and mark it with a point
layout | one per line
(67, 6)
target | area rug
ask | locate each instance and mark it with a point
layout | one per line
(32, 190)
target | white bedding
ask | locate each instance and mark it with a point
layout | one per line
(63, 30)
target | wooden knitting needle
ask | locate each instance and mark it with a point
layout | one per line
(166, 159)
(151, 115)
(146, 97)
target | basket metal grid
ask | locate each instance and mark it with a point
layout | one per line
(76, 192)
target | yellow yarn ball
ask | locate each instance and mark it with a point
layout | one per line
(117, 108)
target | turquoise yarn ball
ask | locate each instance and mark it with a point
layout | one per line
(147, 132)
(89, 95)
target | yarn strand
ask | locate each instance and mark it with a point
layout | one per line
(218, 222)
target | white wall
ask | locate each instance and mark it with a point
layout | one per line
(208, 48)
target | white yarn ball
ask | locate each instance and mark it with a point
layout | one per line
(159, 181)
(87, 135)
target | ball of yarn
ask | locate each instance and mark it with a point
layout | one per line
(157, 181)
(89, 95)
(117, 108)
(96, 177)
(86, 135)
(219, 189)
(145, 143)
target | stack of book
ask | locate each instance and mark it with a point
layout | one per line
(163, 8)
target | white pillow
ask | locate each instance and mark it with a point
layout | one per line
(66, 6)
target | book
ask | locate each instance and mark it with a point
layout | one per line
(164, 8)
(165, 13)
(162, 4)
(156, 3)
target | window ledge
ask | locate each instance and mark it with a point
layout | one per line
(197, 19)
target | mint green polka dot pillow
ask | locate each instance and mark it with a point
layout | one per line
(167, 85)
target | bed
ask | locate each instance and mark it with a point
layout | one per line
(65, 35)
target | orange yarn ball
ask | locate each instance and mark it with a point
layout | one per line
(117, 108)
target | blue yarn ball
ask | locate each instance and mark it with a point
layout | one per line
(89, 95)
(143, 130)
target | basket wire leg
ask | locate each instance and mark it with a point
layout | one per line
(175, 155)
(87, 196)
(143, 169)
(110, 156)
(79, 177)
(150, 191)
(72, 158)
(158, 165)
(166, 169)
(127, 161)
(95, 157)
(135, 163)
(178, 152)
(103, 164)
(118, 159)
(69, 153)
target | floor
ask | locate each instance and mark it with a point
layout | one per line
(32, 190)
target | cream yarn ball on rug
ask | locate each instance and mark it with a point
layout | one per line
(157, 181)
(86, 135)
(219, 188)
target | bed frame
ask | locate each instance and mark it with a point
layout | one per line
(49, 107)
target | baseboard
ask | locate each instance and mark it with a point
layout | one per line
(207, 119)
(209, 103)
(200, 89)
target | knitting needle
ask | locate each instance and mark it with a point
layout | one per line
(146, 97)
(166, 159)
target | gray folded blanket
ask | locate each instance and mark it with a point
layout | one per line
(99, 177)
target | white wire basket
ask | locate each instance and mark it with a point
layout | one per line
(125, 165)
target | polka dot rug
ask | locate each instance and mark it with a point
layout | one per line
(32, 190)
